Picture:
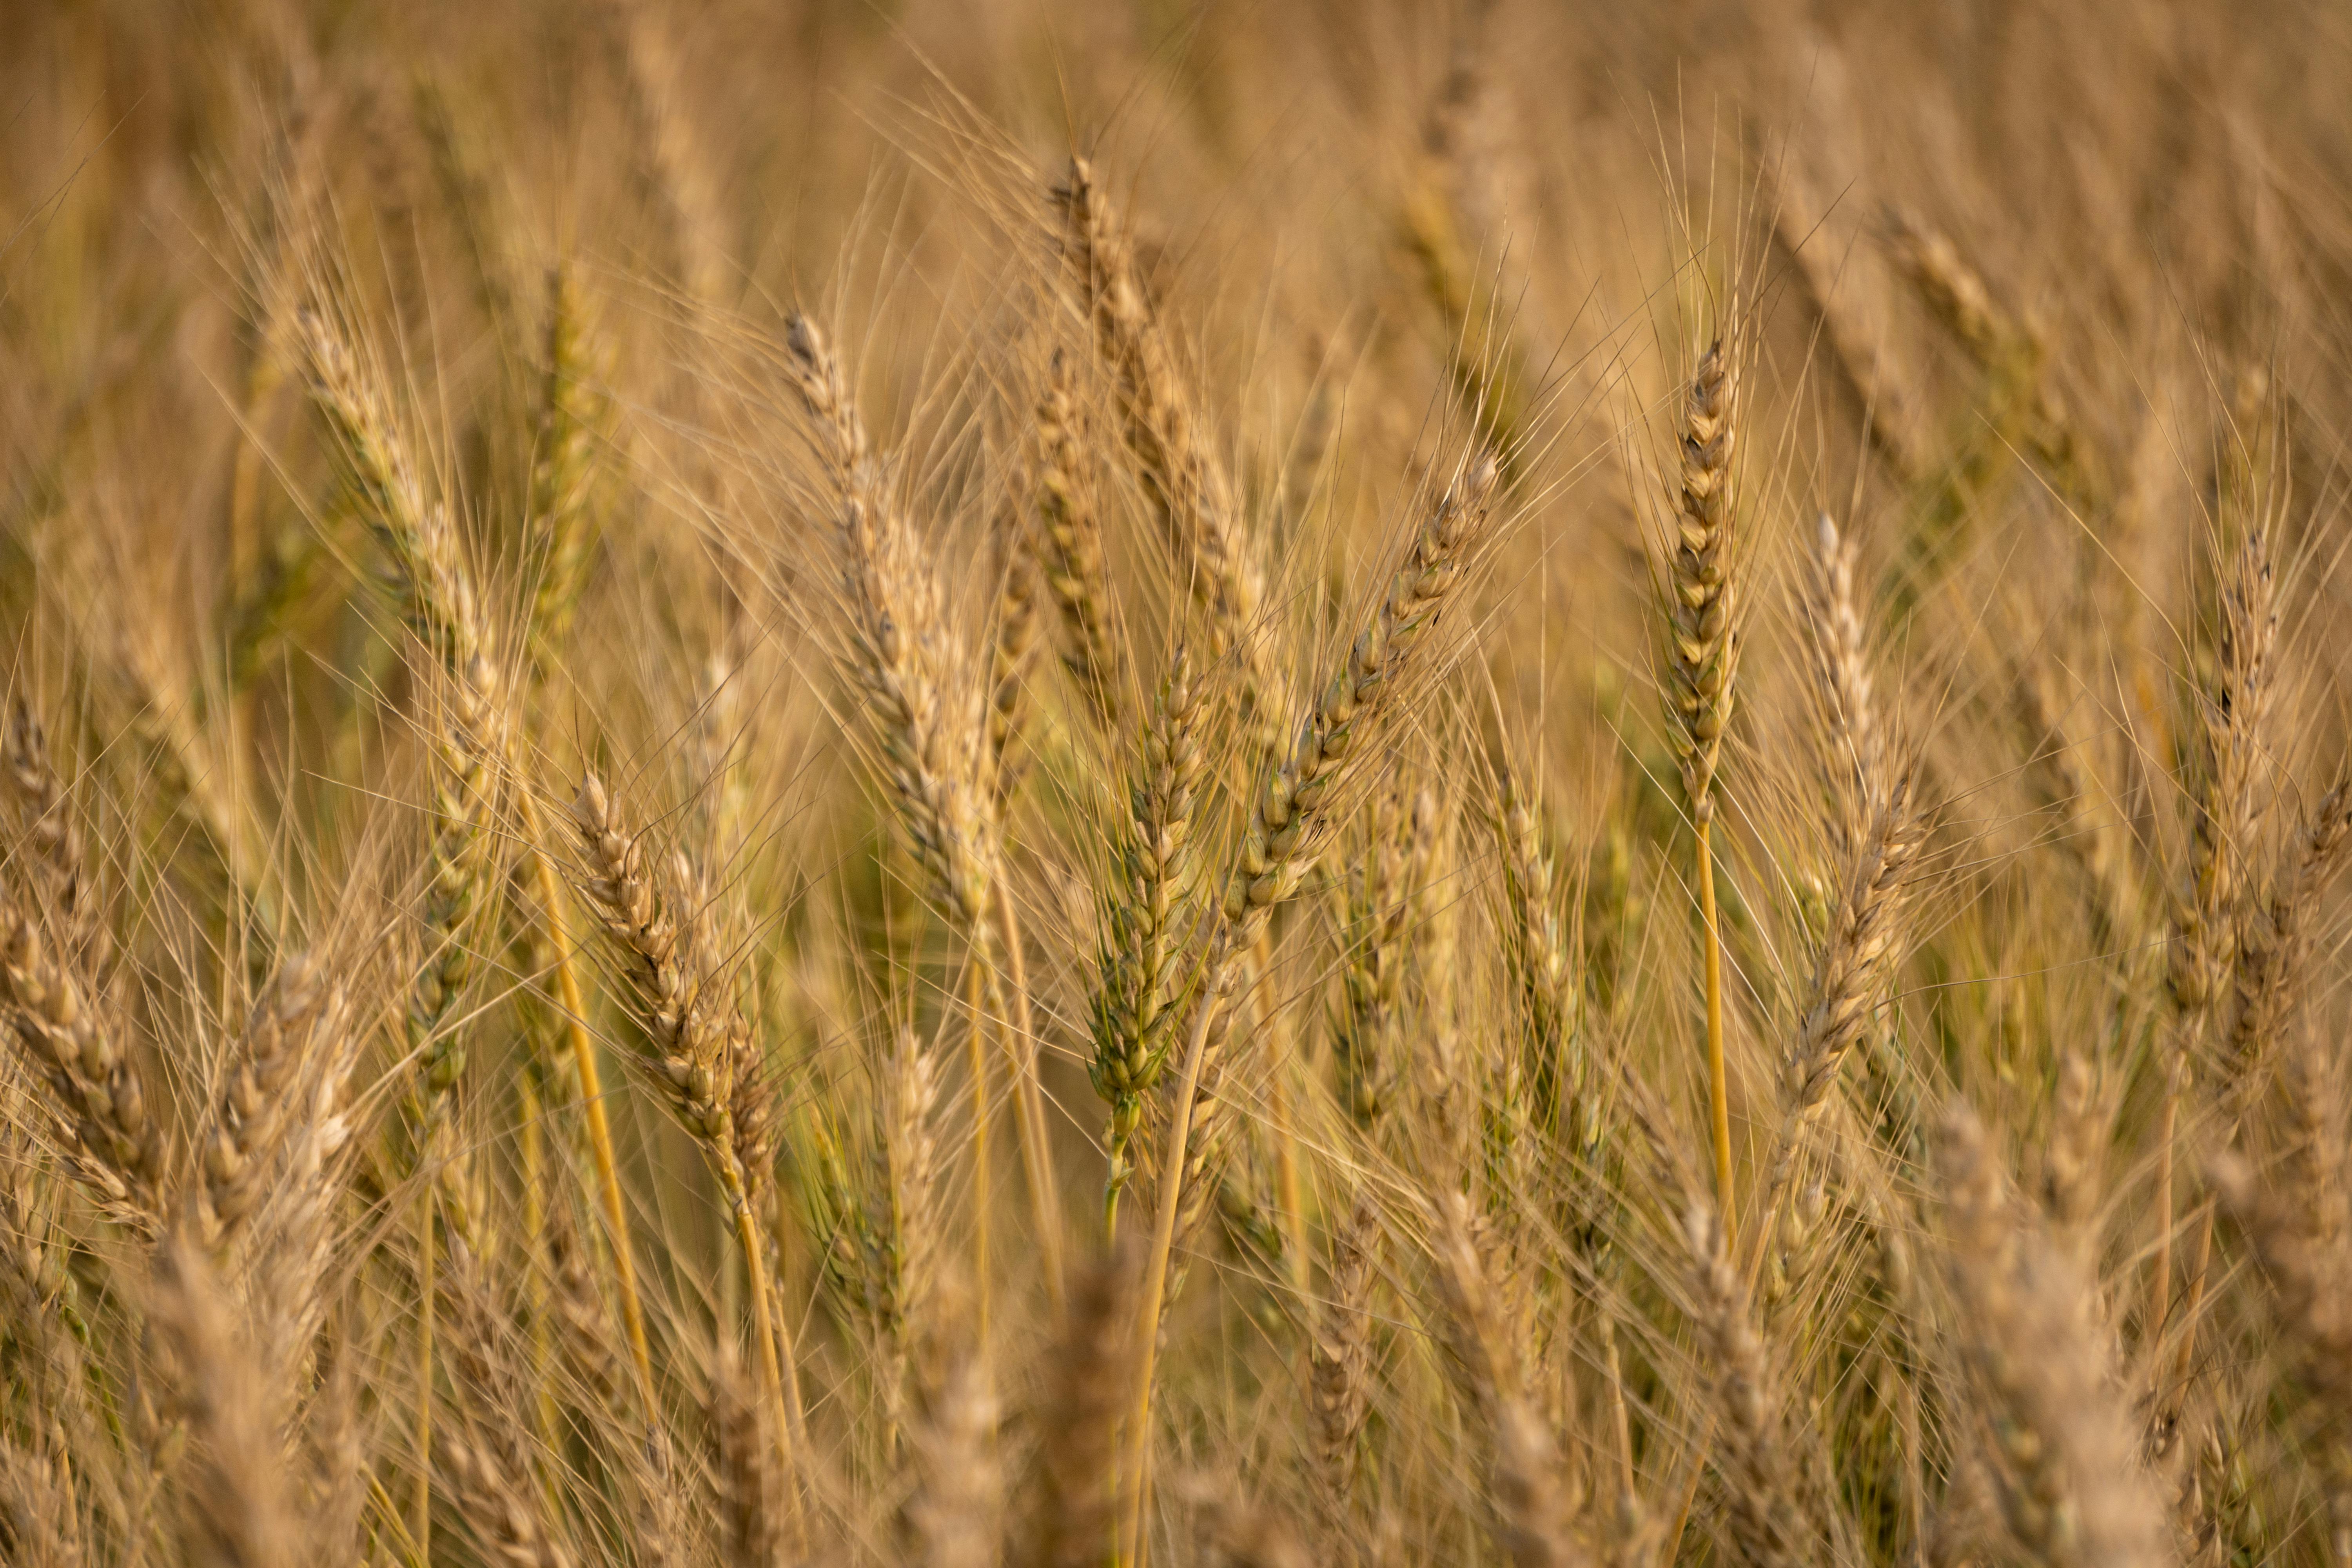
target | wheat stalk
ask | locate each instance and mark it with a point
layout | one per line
(1288, 834)
(1702, 661)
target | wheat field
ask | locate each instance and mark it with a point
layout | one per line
(1269, 784)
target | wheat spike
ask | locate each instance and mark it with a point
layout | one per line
(2073, 1490)
(1188, 486)
(116, 1146)
(1076, 570)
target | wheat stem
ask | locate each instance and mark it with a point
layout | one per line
(1719, 1086)
(983, 1182)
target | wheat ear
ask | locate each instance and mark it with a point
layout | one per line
(570, 423)
(2206, 910)
(1188, 486)
(696, 1043)
(2272, 946)
(928, 722)
(486, 1461)
(295, 1040)
(750, 1534)
(571, 420)
(50, 829)
(1076, 571)
(2073, 1488)
(116, 1148)
(1079, 1482)
(1702, 662)
(1528, 1503)
(234, 1508)
(1770, 1527)
(1864, 929)
(1372, 910)
(1139, 995)
(1340, 1361)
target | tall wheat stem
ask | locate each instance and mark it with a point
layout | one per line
(1719, 1084)
(982, 1184)
(1155, 1273)
(1290, 1187)
(420, 1522)
(1702, 659)
(1029, 1103)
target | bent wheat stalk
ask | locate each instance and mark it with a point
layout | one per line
(1292, 827)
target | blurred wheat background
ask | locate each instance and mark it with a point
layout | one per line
(885, 781)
